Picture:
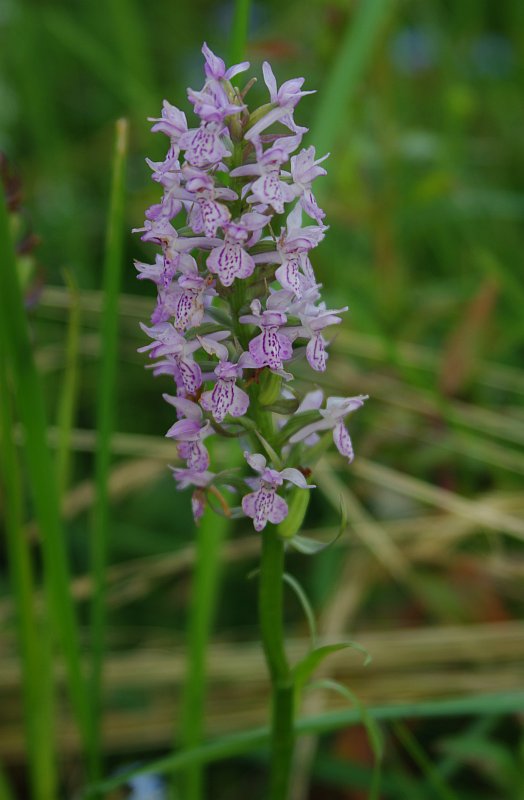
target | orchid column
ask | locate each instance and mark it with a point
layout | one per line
(238, 306)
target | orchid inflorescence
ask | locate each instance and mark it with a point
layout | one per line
(238, 304)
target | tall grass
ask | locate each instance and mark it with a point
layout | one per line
(105, 416)
(28, 394)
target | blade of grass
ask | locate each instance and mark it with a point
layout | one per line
(239, 31)
(239, 743)
(37, 681)
(66, 411)
(414, 749)
(210, 535)
(354, 54)
(102, 63)
(105, 407)
(129, 33)
(29, 397)
(6, 792)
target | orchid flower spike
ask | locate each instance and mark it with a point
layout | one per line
(238, 304)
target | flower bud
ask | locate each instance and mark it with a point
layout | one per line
(298, 502)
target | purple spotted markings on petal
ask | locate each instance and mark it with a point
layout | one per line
(204, 146)
(265, 505)
(229, 262)
(226, 397)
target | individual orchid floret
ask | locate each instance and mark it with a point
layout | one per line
(185, 302)
(265, 505)
(212, 103)
(231, 260)
(226, 397)
(167, 341)
(175, 248)
(206, 213)
(204, 146)
(156, 272)
(304, 170)
(186, 477)
(337, 408)
(167, 172)
(271, 348)
(172, 122)
(295, 272)
(215, 67)
(200, 480)
(269, 189)
(189, 433)
(314, 319)
(284, 100)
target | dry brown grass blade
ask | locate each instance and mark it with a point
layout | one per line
(408, 665)
(347, 342)
(461, 352)
(397, 393)
(485, 515)
(373, 535)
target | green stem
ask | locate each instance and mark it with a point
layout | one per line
(210, 535)
(239, 30)
(271, 588)
(68, 394)
(105, 422)
(34, 644)
(29, 398)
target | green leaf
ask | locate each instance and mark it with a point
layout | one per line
(6, 793)
(69, 390)
(29, 394)
(374, 733)
(105, 419)
(424, 763)
(269, 388)
(228, 434)
(372, 729)
(246, 423)
(283, 406)
(221, 316)
(269, 450)
(247, 741)
(296, 424)
(304, 602)
(204, 330)
(230, 477)
(310, 547)
(304, 669)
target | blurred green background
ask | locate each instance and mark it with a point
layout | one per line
(420, 105)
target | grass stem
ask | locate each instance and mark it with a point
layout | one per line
(105, 409)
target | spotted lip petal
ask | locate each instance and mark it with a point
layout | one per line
(203, 146)
(264, 506)
(229, 262)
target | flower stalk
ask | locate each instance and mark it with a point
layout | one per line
(270, 598)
